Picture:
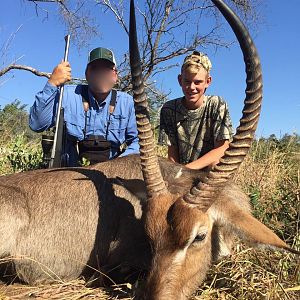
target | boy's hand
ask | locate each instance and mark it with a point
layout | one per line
(61, 74)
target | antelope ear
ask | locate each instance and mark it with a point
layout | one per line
(248, 228)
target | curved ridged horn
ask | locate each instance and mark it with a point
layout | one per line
(149, 161)
(205, 192)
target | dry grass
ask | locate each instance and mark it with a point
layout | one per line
(73, 290)
(266, 170)
(251, 274)
(247, 274)
(271, 177)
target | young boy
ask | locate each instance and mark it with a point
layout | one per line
(197, 128)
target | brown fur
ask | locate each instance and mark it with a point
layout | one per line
(60, 224)
(170, 236)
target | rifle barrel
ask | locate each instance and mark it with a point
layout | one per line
(55, 160)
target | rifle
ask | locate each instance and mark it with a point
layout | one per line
(58, 156)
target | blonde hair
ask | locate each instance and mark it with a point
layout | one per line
(196, 61)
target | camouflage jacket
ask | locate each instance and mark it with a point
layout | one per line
(194, 132)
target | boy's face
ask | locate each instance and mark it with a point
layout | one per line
(194, 86)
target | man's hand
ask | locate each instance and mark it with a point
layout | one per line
(61, 74)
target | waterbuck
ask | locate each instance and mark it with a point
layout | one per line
(136, 213)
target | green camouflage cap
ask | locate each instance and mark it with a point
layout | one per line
(101, 53)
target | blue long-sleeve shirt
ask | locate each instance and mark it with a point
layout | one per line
(121, 128)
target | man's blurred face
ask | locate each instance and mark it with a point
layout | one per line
(101, 75)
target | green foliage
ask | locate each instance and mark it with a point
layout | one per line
(288, 144)
(14, 121)
(254, 196)
(20, 155)
(24, 156)
(20, 147)
(84, 162)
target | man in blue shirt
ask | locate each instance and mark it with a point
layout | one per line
(106, 113)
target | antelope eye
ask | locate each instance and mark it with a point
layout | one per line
(200, 237)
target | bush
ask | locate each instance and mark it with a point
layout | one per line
(20, 147)
(20, 155)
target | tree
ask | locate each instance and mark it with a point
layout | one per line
(168, 30)
(14, 121)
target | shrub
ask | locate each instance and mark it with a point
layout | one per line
(20, 155)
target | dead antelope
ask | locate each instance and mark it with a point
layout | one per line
(136, 213)
(186, 230)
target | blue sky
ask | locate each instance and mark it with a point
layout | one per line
(40, 44)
